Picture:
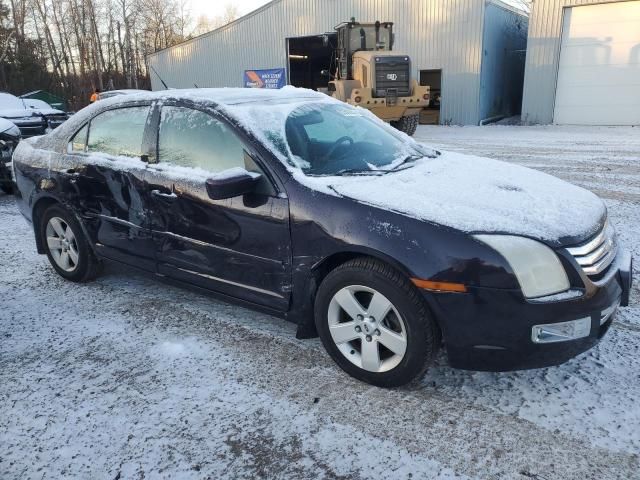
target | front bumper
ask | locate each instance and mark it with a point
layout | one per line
(490, 329)
(32, 127)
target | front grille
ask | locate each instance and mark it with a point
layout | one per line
(31, 130)
(392, 73)
(55, 121)
(596, 255)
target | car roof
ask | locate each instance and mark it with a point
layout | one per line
(124, 91)
(228, 96)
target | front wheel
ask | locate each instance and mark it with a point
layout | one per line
(408, 124)
(374, 324)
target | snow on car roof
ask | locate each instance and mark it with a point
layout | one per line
(226, 96)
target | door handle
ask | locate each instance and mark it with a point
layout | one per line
(165, 196)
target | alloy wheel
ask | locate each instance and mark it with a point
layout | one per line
(62, 243)
(367, 329)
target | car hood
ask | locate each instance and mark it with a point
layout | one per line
(478, 195)
(17, 113)
(48, 111)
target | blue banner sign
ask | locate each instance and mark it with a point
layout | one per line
(272, 78)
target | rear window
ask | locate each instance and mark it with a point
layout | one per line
(118, 132)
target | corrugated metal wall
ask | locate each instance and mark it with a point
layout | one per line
(504, 48)
(444, 34)
(543, 55)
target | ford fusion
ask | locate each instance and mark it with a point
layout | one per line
(295, 204)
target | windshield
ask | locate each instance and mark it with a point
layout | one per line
(35, 103)
(9, 101)
(334, 139)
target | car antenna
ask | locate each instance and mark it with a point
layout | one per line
(156, 72)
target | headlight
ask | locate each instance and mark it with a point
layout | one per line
(536, 266)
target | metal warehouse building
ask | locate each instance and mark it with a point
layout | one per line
(471, 51)
(583, 63)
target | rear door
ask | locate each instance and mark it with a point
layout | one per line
(109, 157)
(238, 246)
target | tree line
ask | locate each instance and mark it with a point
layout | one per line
(71, 47)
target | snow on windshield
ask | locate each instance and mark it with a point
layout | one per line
(10, 102)
(316, 134)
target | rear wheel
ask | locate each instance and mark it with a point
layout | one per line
(66, 245)
(408, 124)
(7, 188)
(374, 323)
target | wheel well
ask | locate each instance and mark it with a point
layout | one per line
(306, 327)
(304, 315)
(36, 216)
(322, 269)
(328, 264)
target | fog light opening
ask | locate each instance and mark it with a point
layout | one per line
(561, 332)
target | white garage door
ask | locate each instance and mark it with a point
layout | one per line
(599, 71)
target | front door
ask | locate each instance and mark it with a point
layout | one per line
(239, 246)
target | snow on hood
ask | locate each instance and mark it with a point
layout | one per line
(474, 194)
(47, 111)
(17, 113)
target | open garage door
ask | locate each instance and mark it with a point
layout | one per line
(308, 57)
(599, 69)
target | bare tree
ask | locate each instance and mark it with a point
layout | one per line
(73, 46)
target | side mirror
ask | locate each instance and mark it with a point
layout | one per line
(232, 183)
(325, 73)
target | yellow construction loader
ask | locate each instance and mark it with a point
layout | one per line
(371, 75)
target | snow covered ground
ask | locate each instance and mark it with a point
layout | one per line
(127, 377)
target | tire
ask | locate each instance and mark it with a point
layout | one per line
(370, 282)
(81, 265)
(7, 188)
(408, 125)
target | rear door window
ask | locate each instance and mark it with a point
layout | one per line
(118, 132)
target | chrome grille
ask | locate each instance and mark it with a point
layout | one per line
(597, 254)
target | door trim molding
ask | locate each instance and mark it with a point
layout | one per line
(217, 247)
(228, 282)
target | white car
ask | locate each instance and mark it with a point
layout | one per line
(31, 118)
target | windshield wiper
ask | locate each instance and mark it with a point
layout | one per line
(408, 159)
(347, 172)
(356, 171)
